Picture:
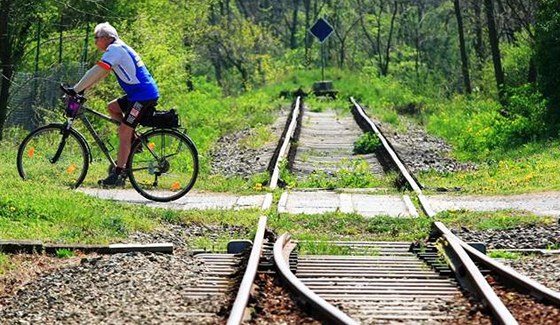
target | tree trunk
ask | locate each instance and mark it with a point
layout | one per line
(307, 9)
(462, 46)
(385, 66)
(495, 47)
(294, 26)
(479, 41)
(506, 21)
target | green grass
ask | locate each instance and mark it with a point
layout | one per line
(504, 255)
(42, 211)
(503, 219)
(367, 143)
(342, 226)
(64, 253)
(530, 168)
(5, 263)
(349, 174)
(326, 248)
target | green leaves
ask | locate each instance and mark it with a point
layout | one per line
(367, 143)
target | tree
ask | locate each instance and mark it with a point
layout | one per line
(495, 47)
(548, 52)
(16, 19)
(462, 47)
(372, 16)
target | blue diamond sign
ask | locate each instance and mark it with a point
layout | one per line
(322, 30)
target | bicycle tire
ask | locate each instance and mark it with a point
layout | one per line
(53, 154)
(163, 165)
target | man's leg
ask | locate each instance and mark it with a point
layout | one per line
(125, 134)
(115, 110)
(116, 177)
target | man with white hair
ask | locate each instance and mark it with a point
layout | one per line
(134, 78)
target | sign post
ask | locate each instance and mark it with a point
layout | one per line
(322, 30)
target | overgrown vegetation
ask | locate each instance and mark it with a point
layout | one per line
(224, 66)
(341, 226)
(367, 143)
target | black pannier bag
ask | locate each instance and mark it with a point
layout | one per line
(161, 119)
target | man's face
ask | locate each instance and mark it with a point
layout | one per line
(102, 42)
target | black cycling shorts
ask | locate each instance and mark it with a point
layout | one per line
(134, 111)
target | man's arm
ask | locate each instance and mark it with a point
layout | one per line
(91, 77)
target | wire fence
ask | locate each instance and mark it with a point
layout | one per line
(31, 93)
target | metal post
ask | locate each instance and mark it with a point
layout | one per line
(38, 48)
(322, 62)
(86, 41)
(60, 41)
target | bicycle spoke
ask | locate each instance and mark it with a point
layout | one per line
(47, 155)
(168, 169)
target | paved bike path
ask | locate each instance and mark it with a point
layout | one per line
(363, 203)
(193, 200)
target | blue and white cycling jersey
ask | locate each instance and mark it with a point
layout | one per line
(132, 74)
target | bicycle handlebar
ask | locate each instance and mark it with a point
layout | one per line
(70, 92)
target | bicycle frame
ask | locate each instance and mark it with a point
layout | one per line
(82, 117)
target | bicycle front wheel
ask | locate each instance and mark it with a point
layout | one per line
(163, 165)
(53, 155)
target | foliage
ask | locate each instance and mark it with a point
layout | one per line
(64, 253)
(354, 173)
(367, 143)
(504, 255)
(529, 168)
(516, 60)
(499, 220)
(547, 53)
(477, 127)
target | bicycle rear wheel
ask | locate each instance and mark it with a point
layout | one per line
(52, 154)
(163, 165)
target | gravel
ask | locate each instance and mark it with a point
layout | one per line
(523, 307)
(273, 304)
(134, 288)
(118, 289)
(421, 151)
(544, 269)
(521, 237)
(418, 150)
(231, 158)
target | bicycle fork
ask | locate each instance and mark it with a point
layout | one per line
(62, 143)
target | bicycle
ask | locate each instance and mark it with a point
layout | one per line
(162, 165)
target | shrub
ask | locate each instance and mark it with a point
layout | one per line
(367, 143)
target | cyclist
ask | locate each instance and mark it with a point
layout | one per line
(140, 88)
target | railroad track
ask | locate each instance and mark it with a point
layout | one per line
(376, 282)
(385, 282)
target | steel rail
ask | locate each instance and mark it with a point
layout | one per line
(461, 249)
(477, 280)
(285, 144)
(536, 289)
(415, 187)
(242, 298)
(402, 169)
(328, 312)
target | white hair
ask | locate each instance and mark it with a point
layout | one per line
(105, 30)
